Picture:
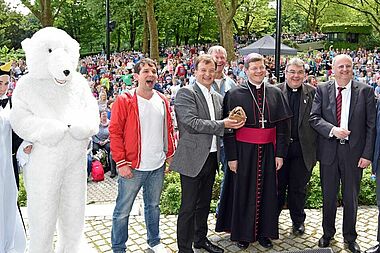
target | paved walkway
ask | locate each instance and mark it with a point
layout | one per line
(101, 199)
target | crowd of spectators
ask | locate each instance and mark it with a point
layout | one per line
(304, 37)
(108, 80)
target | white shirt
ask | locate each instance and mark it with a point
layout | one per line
(346, 101)
(208, 97)
(151, 115)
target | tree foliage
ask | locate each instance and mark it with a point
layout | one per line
(177, 22)
(254, 16)
(370, 8)
(45, 11)
(15, 27)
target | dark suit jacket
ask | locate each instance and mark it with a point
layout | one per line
(196, 129)
(307, 135)
(361, 121)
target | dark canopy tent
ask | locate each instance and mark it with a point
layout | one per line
(266, 46)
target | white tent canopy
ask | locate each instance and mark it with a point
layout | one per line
(266, 46)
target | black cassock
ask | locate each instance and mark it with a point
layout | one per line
(248, 205)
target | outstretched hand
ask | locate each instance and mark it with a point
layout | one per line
(233, 124)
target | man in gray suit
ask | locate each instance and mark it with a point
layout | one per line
(199, 115)
(301, 158)
(344, 115)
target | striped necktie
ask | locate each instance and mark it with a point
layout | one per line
(339, 105)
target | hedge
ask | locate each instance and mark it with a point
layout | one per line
(346, 28)
(171, 195)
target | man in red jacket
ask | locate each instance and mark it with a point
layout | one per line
(142, 142)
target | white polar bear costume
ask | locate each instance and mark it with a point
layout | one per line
(54, 109)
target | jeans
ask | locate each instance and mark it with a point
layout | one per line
(224, 163)
(89, 164)
(152, 182)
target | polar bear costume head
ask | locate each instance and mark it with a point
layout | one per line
(51, 54)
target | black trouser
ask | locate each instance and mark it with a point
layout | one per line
(195, 205)
(343, 170)
(293, 178)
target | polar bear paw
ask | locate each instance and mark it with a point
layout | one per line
(52, 133)
(79, 131)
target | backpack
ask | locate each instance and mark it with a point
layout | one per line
(97, 171)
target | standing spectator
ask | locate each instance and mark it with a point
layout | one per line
(301, 157)
(83, 68)
(142, 142)
(344, 115)
(248, 208)
(199, 116)
(221, 84)
(375, 171)
(312, 80)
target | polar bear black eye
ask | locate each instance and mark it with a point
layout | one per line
(50, 50)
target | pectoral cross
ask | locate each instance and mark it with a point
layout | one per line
(262, 121)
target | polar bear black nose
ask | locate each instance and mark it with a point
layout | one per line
(66, 72)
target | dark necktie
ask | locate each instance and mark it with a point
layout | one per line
(3, 102)
(339, 105)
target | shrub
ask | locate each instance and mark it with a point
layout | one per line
(367, 195)
(314, 192)
(171, 193)
(22, 193)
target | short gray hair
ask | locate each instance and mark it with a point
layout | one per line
(295, 62)
(217, 49)
(340, 56)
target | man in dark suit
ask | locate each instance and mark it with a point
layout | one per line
(344, 115)
(375, 171)
(199, 115)
(295, 174)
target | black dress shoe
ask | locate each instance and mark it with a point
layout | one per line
(353, 246)
(209, 247)
(324, 242)
(242, 244)
(298, 229)
(265, 242)
(374, 249)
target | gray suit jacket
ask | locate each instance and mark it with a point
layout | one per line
(361, 121)
(196, 129)
(307, 135)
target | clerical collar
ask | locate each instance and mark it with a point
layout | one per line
(292, 89)
(257, 86)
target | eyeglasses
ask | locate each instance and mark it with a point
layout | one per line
(293, 72)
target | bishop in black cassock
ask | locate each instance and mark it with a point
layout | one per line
(249, 203)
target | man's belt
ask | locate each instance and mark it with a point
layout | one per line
(256, 135)
(342, 141)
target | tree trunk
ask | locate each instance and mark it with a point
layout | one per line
(225, 17)
(145, 44)
(199, 28)
(132, 31)
(118, 39)
(228, 40)
(43, 11)
(153, 31)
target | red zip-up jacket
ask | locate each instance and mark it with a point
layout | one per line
(125, 132)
